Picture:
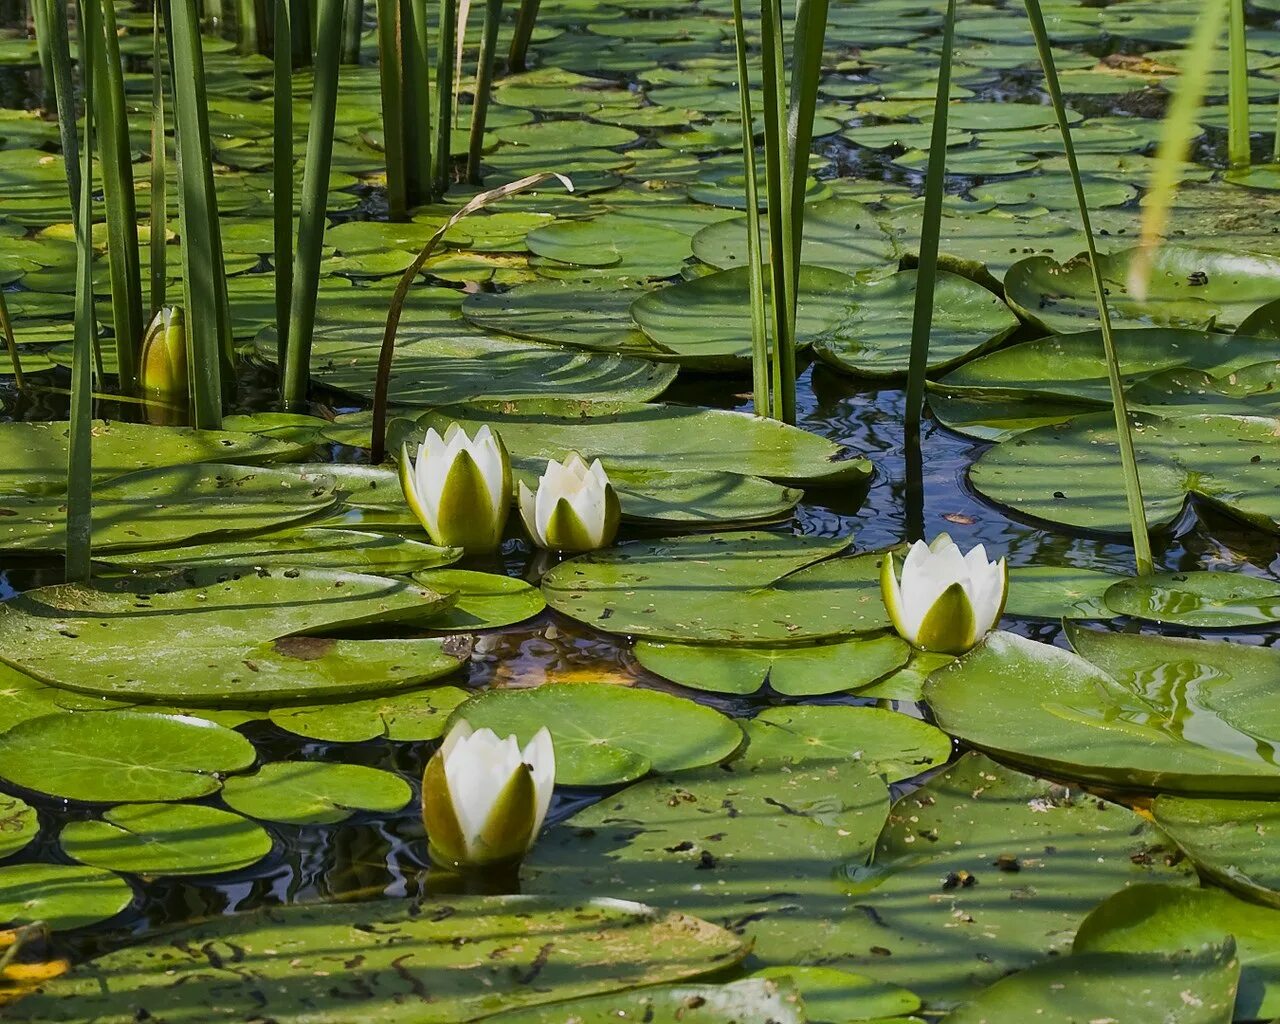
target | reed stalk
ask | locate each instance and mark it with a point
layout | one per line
(282, 170)
(760, 359)
(55, 21)
(44, 49)
(485, 61)
(1124, 435)
(314, 207)
(159, 167)
(417, 91)
(11, 344)
(352, 29)
(930, 233)
(246, 26)
(446, 43)
(79, 545)
(810, 37)
(1238, 147)
(391, 84)
(526, 21)
(204, 280)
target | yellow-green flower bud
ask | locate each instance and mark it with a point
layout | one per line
(162, 374)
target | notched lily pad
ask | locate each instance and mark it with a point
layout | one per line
(315, 792)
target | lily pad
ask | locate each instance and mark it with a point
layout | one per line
(166, 839)
(873, 338)
(483, 600)
(893, 745)
(793, 671)
(315, 792)
(19, 824)
(605, 734)
(1113, 987)
(1209, 600)
(748, 588)
(1178, 920)
(833, 996)
(706, 321)
(590, 315)
(412, 966)
(62, 896)
(1058, 592)
(213, 635)
(411, 715)
(121, 756)
(630, 435)
(1230, 841)
(1150, 713)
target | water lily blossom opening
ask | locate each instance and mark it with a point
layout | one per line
(162, 369)
(575, 507)
(947, 601)
(459, 488)
(484, 799)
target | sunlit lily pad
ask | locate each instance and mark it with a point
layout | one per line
(315, 792)
(1142, 712)
(166, 839)
(586, 315)
(61, 896)
(212, 635)
(121, 756)
(483, 600)
(1212, 600)
(412, 966)
(1058, 592)
(1231, 841)
(605, 734)
(833, 996)
(750, 999)
(19, 824)
(749, 588)
(793, 671)
(1176, 919)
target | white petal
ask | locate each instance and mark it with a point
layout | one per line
(529, 513)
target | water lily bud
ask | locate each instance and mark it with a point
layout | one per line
(484, 799)
(947, 601)
(162, 371)
(459, 488)
(575, 507)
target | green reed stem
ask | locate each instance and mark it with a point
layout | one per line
(526, 21)
(314, 210)
(417, 91)
(1124, 436)
(44, 49)
(247, 26)
(1275, 151)
(300, 22)
(391, 84)
(112, 121)
(79, 549)
(777, 171)
(810, 35)
(352, 29)
(930, 232)
(760, 368)
(11, 344)
(282, 169)
(56, 20)
(1238, 149)
(446, 45)
(159, 166)
(204, 281)
(485, 62)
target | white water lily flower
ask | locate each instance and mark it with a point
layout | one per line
(575, 507)
(459, 488)
(484, 799)
(947, 601)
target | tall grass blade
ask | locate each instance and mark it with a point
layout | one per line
(314, 209)
(810, 36)
(387, 352)
(760, 365)
(1124, 436)
(1275, 145)
(204, 281)
(44, 49)
(930, 233)
(526, 20)
(282, 169)
(1176, 133)
(417, 91)
(1238, 149)
(247, 26)
(390, 34)
(485, 62)
(352, 30)
(464, 15)
(56, 21)
(159, 270)
(11, 344)
(79, 550)
(445, 43)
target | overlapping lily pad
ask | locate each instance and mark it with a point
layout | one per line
(748, 588)
(121, 756)
(776, 1001)
(605, 734)
(166, 839)
(295, 962)
(212, 635)
(1058, 592)
(62, 896)
(1142, 712)
(1231, 841)
(482, 600)
(19, 824)
(315, 792)
(1212, 600)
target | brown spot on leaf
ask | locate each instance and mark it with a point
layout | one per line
(305, 648)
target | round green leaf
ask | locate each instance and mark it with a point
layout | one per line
(1058, 592)
(484, 600)
(583, 315)
(1212, 600)
(608, 241)
(62, 896)
(19, 824)
(1231, 841)
(749, 999)
(833, 996)
(121, 756)
(315, 792)
(793, 671)
(166, 839)
(605, 733)
(411, 715)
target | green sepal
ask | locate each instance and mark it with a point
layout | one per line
(612, 516)
(889, 594)
(465, 517)
(566, 531)
(949, 626)
(410, 488)
(445, 841)
(508, 831)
